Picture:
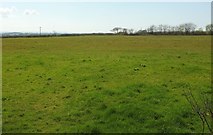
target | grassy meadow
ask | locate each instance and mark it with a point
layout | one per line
(104, 84)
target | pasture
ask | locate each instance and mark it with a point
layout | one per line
(104, 84)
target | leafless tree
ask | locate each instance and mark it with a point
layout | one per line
(209, 28)
(160, 28)
(116, 30)
(165, 28)
(130, 31)
(152, 29)
(125, 30)
(188, 27)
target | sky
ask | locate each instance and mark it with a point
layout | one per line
(89, 17)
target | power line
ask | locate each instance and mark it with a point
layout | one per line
(40, 30)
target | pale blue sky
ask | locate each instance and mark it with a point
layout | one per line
(99, 17)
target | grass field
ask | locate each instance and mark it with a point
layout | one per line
(104, 84)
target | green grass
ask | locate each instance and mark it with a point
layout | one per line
(120, 84)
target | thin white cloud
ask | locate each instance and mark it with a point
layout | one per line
(6, 11)
(31, 12)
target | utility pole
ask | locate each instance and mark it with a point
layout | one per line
(40, 30)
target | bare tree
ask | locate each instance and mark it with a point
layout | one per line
(169, 28)
(148, 30)
(209, 28)
(116, 30)
(172, 29)
(165, 28)
(152, 29)
(160, 28)
(130, 31)
(176, 28)
(181, 28)
(188, 27)
(125, 31)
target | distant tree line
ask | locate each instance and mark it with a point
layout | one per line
(182, 29)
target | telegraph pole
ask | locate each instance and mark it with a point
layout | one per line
(40, 30)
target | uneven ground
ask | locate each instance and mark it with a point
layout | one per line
(104, 83)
